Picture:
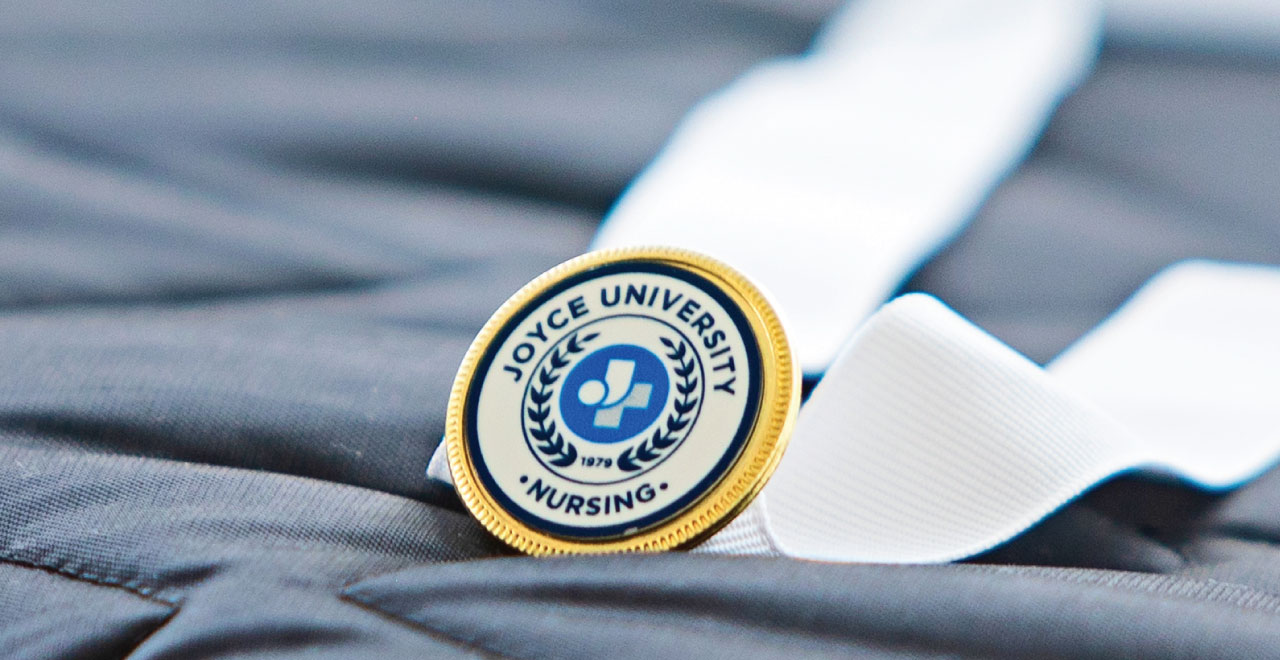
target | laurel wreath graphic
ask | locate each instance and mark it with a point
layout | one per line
(551, 442)
(663, 438)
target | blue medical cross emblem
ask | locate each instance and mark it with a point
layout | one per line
(614, 393)
(617, 392)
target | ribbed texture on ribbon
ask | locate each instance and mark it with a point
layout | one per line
(748, 534)
(930, 440)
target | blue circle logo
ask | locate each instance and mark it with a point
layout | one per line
(614, 393)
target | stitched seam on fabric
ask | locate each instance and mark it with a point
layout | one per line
(132, 586)
(878, 640)
(508, 553)
(434, 633)
(619, 615)
(235, 472)
(1239, 537)
(173, 607)
(1071, 577)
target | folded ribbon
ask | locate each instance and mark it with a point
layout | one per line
(928, 440)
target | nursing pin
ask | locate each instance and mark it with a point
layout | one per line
(632, 399)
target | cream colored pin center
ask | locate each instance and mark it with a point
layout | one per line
(631, 399)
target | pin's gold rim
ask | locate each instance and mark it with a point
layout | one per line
(775, 416)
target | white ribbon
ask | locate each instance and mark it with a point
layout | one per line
(929, 440)
(827, 179)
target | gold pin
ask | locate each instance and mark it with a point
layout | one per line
(626, 400)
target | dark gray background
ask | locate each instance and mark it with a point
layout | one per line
(243, 247)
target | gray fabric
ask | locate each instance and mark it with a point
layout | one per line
(245, 562)
(666, 606)
(263, 234)
(243, 247)
(43, 609)
(1161, 156)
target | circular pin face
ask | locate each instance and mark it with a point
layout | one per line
(629, 399)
